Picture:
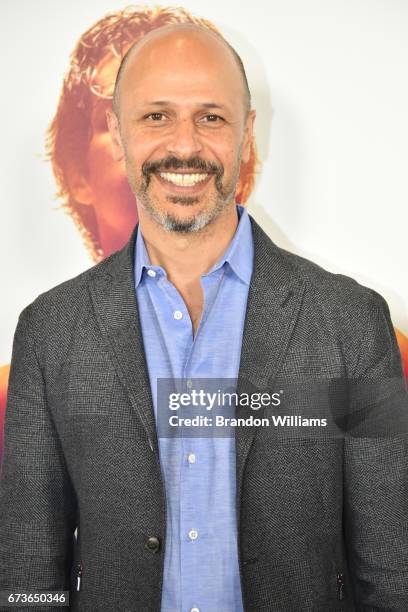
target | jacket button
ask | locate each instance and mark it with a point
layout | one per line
(153, 544)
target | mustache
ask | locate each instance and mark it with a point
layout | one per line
(174, 163)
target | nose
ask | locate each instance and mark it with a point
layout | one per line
(184, 140)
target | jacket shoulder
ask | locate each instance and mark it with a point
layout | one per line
(356, 316)
(333, 289)
(64, 304)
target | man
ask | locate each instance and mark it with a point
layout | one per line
(244, 522)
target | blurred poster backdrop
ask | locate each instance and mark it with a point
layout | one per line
(327, 174)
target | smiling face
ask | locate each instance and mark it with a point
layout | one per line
(182, 127)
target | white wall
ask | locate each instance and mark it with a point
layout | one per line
(330, 88)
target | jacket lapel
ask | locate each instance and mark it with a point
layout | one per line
(274, 301)
(114, 299)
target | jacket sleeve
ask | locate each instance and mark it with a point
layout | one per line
(376, 473)
(37, 501)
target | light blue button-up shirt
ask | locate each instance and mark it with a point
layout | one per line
(201, 556)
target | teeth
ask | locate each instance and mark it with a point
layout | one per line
(184, 180)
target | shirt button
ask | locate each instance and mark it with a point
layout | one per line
(193, 534)
(191, 458)
(153, 544)
(151, 273)
(178, 314)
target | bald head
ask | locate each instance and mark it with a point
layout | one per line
(171, 37)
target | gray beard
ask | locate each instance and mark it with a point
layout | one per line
(171, 222)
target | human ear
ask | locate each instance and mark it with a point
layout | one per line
(114, 131)
(248, 136)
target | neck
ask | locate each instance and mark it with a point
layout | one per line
(186, 257)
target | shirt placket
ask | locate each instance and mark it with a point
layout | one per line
(176, 324)
(195, 476)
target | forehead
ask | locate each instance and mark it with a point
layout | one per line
(179, 66)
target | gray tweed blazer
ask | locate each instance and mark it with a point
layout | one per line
(322, 521)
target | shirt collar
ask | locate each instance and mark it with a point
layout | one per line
(141, 257)
(238, 254)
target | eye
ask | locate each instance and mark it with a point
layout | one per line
(212, 118)
(155, 116)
